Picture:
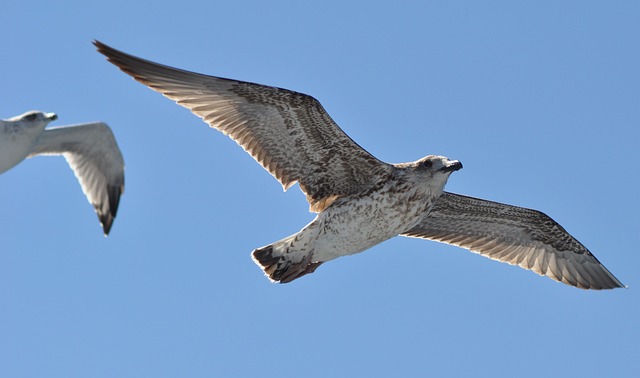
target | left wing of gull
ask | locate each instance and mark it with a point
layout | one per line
(515, 235)
(93, 154)
(289, 133)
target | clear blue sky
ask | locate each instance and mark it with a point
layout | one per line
(539, 100)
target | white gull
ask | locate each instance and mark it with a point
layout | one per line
(90, 149)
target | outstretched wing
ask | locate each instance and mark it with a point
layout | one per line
(288, 133)
(93, 154)
(515, 235)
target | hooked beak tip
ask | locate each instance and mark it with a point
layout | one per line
(453, 166)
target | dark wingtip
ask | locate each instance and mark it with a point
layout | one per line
(114, 56)
(107, 218)
(114, 192)
(107, 222)
(617, 284)
(101, 47)
(129, 64)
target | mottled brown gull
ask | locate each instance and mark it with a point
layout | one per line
(360, 200)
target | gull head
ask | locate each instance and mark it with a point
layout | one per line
(430, 172)
(30, 123)
(19, 134)
(434, 165)
(34, 118)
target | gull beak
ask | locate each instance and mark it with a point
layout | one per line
(51, 116)
(453, 166)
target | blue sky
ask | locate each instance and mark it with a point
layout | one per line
(538, 100)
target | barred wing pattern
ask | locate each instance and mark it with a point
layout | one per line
(515, 235)
(288, 133)
(93, 154)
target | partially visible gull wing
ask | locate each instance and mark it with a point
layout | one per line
(288, 133)
(93, 154)
(515, 235)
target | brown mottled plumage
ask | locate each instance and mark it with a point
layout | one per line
(361, 201)
(515, 235)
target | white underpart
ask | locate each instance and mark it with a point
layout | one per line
(352, 225)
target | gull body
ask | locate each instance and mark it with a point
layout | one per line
(355, 223)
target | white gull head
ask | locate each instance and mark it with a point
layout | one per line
(431, 171)
(19, 134)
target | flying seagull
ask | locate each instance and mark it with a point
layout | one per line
(90, 150)
(360, 200)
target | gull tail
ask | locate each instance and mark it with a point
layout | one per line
(282, 262)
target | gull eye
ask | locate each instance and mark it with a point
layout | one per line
(31, 117)
(427, 164)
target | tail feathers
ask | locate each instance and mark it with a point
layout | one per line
(279, 264)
